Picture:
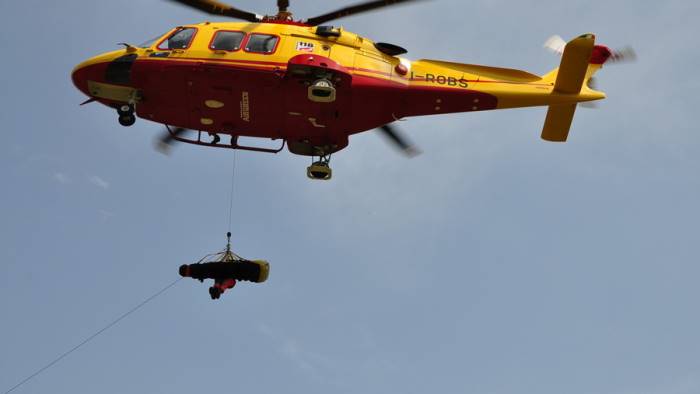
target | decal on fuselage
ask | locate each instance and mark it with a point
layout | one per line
(303, 46)
(440, 80)
(245, 107)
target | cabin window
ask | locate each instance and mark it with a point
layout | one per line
(180, 39)
(262, 43)
(227, 40)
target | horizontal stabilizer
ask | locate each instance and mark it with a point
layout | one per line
(558, 122)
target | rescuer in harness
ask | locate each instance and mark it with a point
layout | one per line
(226, 268)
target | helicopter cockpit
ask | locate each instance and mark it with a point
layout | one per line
(179, 39)
(222, 41)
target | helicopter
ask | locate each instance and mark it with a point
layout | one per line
(311, 85)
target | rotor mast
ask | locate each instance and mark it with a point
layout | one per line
(283, 13)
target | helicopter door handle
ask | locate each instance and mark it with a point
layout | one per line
(178, 51)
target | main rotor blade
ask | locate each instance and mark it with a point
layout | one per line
(216, 8)
(354, 9)
(399, 140)
(167, 139)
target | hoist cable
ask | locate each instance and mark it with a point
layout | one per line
(233, 180)
(93, 336)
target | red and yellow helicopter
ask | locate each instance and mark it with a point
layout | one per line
(311, 85)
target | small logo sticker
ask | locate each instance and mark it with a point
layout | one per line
(305, 46)
(245, 107)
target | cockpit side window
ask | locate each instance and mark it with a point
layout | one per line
(262, 43)
(227, 40)
(180, 39)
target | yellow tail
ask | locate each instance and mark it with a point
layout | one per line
(571, 78)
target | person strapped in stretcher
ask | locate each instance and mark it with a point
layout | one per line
(226, 268)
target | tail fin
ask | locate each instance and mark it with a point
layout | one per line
(558, 122)
(575, 70)
(574, 64)
(599, 55)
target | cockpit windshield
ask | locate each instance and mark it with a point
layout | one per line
(150, 42)
(180, 39)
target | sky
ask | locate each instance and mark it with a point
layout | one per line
(493, 263)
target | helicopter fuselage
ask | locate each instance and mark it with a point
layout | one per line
(258, 79)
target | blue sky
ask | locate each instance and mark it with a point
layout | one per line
(492, 263)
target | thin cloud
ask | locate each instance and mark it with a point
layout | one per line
(61, 178)
(305, 360)
(106, 215)
(99, 182)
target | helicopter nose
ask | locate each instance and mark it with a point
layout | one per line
(104, 68)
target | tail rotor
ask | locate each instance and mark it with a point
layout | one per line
(601, 55)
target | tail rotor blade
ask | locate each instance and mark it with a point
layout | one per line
(624, 55)
(593, 83)
(555, 44)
